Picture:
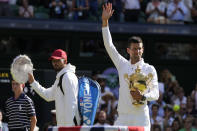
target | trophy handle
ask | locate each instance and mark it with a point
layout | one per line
(126, 77)
(149, 78)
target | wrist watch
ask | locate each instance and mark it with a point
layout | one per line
(143, 98)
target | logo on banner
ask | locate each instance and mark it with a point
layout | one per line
(87, 104)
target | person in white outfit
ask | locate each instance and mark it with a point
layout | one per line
(3, 126)
(132, 104)
(64, 90)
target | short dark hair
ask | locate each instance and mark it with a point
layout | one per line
(155, 105)
(134, 39)
(156, 126)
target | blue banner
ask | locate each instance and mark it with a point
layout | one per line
(88, 99)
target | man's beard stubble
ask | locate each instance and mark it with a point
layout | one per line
(57, 69)
(136, 58)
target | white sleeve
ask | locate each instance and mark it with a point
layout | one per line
(190, 4)
(148, 7)
(5, 127)
(31, 9)
(47, 94)
(70, 87)
(21, 10)
(111, 49)
(162, 7)
(183, 7)
(153, 93)
(170, 9)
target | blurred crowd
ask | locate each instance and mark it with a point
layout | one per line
(152, 11)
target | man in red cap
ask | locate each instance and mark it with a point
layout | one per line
(64, 90)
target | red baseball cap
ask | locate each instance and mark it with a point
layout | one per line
(58, 54)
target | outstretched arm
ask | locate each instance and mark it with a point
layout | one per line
(111, 50)
(47, 94)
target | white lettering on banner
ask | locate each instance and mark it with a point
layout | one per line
(87, 99)
(87, 104)
(87, 107)
(86, 89)
(85, 118)
(85, 92)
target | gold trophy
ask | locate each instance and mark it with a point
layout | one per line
(138, 80)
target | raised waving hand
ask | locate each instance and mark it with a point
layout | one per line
(107, 13)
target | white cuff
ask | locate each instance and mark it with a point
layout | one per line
(34, 83)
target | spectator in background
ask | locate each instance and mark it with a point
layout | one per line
(176, 114)
(194, 11)
(188, 4)
(176, 125)
(113, 116)
(93, 4)
(180, 98)
(155, 11)
(102, 119)
(176, 11)
(168, 117)
(156, 127)
(160, 103)
(107, 97)
(80, 8)
(26, 10)
(3, 126)
(174, 91)
(155, 119)
(190, 110)
(195, 122)
(170, 83)
(118, 7)
(168, 128)
(167, 78)
(12, 2)
(4, 8)
(194, 96)
(102, 82)
(57, 8)
(69, 10)
(108, 100)
(182, 111)
(131, 9)
(161, 87)
(188, 124)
